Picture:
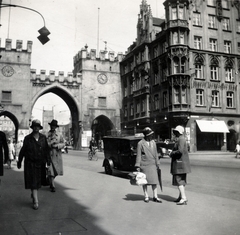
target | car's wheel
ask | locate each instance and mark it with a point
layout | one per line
(108, 168)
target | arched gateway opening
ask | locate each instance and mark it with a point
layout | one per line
(101, 126)
(73, 107)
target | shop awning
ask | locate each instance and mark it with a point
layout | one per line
(212, 126)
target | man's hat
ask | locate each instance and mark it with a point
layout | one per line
(54, 123)
(36, 122)
(147, 131)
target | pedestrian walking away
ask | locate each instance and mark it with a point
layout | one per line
(147, 161)
(237, 149)
(35, 152)
(180, 164)
(11, 153)
(56, 144)
(4, 152)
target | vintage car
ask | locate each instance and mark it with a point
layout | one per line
(120, 153)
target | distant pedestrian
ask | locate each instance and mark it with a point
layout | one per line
(147, 162)
(237, 149)
(56, 144)
(180, 165)
(4, 151)
(35, 150)
(18, 147)
(11, 153)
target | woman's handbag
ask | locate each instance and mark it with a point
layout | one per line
(137, 178)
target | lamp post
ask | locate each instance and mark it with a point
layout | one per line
(44, 32)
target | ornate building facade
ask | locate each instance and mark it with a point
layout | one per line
(184, 70)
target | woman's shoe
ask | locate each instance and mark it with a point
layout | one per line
(178, 199)
(53, 189)
(182, 202)
(156, 199)
(35, 205)
(146, 199)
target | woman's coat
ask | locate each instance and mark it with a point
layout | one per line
(56, 167)
(4, 152)
(180, 163)
(36, 154)
(147, 160)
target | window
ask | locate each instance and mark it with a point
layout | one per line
(102, 101)
(211, 21)
(199, 71)
(142, 56)
(197, 42)
(200, 97)
(175, 65)
(143, 106)
(183, 64)
(125, 91)
(227, 46)
(174, 13)
(155, 52)
(229, 75)
(175, 38)
(225, 4)
(215, 99)
(176, 96)
(164, 99)
(180, 13)
(184, 95)
(211, 2)
(213, 44)
(238, 26)
(196, 18)
(131, 88)
(6, 96)
(155, 78)
(131, 110)
(138, 107)
(230, 99)
(181, 38)
(239, 47)
(125, 111)
(214, 72)
(226, 24)
(156, 102)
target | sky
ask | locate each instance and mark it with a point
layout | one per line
(73, 24)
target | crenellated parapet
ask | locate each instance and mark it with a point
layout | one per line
(92, 55)
(43, 79)
(19, 45)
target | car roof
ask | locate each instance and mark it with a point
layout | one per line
(132, 137)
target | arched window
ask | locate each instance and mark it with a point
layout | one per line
(214, 67)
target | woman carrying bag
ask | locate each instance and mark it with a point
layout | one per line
(147, 161)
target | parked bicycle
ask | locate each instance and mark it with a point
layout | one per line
(92, 154)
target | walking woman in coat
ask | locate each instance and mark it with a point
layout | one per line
(147, 162)
(4, 152)
(56, 143)
(36, 152)
(180, 164)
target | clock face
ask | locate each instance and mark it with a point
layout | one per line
(7, 71)
(102, 78)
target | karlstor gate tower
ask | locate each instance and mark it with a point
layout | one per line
(21, 87)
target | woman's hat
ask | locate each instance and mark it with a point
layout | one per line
(147, 131)
(54, 123)
(36, 122)
(179, 129)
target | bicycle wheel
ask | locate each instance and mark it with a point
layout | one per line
(90, 155)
